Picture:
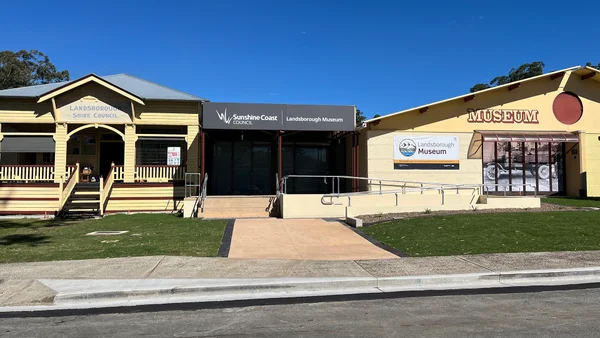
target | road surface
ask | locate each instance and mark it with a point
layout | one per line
(574, 313)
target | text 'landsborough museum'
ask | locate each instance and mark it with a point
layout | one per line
(122, 144)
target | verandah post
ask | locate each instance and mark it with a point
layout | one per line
(129, 161)
(60, 151)
(279, 156)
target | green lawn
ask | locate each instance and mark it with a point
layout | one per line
(579, 202)
(26, 240)
(491, 233)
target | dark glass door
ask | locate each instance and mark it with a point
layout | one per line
(242, 168)
(261, 170)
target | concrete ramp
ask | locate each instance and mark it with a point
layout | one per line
(307, 239)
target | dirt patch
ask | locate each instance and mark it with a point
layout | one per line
(380, 218)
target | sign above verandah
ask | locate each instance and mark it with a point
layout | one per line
(503, 116)
(220, 115)
(90, 109)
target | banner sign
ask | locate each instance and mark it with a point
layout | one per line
(174, 156)
(246, 116)
(426, 152)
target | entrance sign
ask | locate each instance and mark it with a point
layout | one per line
(503, 116)
(426, 152)
(174, 156)
(246, 116)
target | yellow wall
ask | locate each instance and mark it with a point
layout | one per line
(168, 113)
(592, 163)
(574, 179)
(451, 117)
(381, 162)
(25, 111)
(27, 199)
(145, 197)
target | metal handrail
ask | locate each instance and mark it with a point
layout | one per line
(190, 180)
(277, 191)
(403, 191)
(336, 178)
(203, 193)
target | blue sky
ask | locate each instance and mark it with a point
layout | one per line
(382, 56)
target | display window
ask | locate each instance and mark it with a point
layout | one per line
(523, 167)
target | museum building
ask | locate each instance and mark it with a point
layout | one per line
(535, 136)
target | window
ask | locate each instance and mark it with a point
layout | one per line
(47, 158)
(154, 152)
(82, 145)
(523, 166)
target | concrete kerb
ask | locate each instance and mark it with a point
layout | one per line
(354, 222)
(81, 294)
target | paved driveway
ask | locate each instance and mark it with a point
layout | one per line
(313, 239)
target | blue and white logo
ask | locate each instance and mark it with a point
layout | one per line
(407, 147)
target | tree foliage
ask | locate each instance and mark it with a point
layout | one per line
(597, 66)
(28, 68)
(376, 116)
(522, 72)
(360, 117)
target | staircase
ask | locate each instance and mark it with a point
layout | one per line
(239, 207)
(84, 201)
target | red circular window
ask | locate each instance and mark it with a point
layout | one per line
(567, 108)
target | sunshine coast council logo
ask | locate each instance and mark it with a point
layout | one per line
(407, 147)
(223, 116)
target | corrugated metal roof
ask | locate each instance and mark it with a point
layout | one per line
(145, 89)
(475, 93)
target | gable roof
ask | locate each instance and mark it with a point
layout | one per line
(427, 106)
(588, 72)
(139, 87)
(87, 79)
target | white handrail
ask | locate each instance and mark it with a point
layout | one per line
(69, 186)
(106, 188)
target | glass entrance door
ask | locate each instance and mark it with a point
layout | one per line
(242, 168)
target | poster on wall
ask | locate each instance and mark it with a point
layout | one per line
(426, 152)
(174, 156)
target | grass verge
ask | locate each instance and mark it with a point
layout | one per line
(491, 233)
(28, 240)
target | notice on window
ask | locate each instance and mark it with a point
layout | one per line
(426, 152)
(174, 156)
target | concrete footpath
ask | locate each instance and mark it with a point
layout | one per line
(165, 279)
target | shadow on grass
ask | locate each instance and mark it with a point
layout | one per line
(34, 223)
(33, 240)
